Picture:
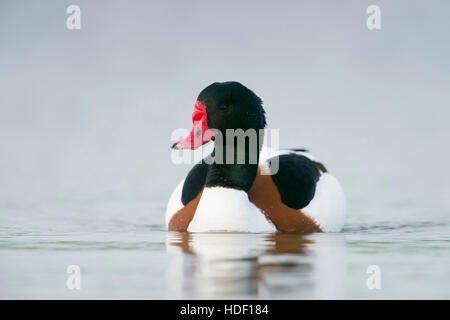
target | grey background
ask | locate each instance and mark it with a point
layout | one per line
(88, 113)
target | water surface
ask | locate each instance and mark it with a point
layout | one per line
(127, 259)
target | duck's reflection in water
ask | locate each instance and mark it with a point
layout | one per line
(243, 265)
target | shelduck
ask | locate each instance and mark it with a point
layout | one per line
(261, 191)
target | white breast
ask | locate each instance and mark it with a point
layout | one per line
(224, 209)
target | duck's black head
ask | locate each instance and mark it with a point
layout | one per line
(230, 105)
(222, 106)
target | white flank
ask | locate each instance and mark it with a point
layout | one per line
(224, 209)
(174, 203)
(328, 207)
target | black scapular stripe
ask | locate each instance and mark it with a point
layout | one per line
(296, 179)
(194, 182)
(299, 150)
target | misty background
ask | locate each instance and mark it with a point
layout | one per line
(86, 115)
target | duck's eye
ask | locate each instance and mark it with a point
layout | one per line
(223, 107)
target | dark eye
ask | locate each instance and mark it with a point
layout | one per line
(223, 107)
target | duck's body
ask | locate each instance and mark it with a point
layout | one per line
(225, 209)
(285, 191)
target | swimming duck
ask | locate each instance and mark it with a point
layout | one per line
(287, 190)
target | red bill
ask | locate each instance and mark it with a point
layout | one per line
(200, 134)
